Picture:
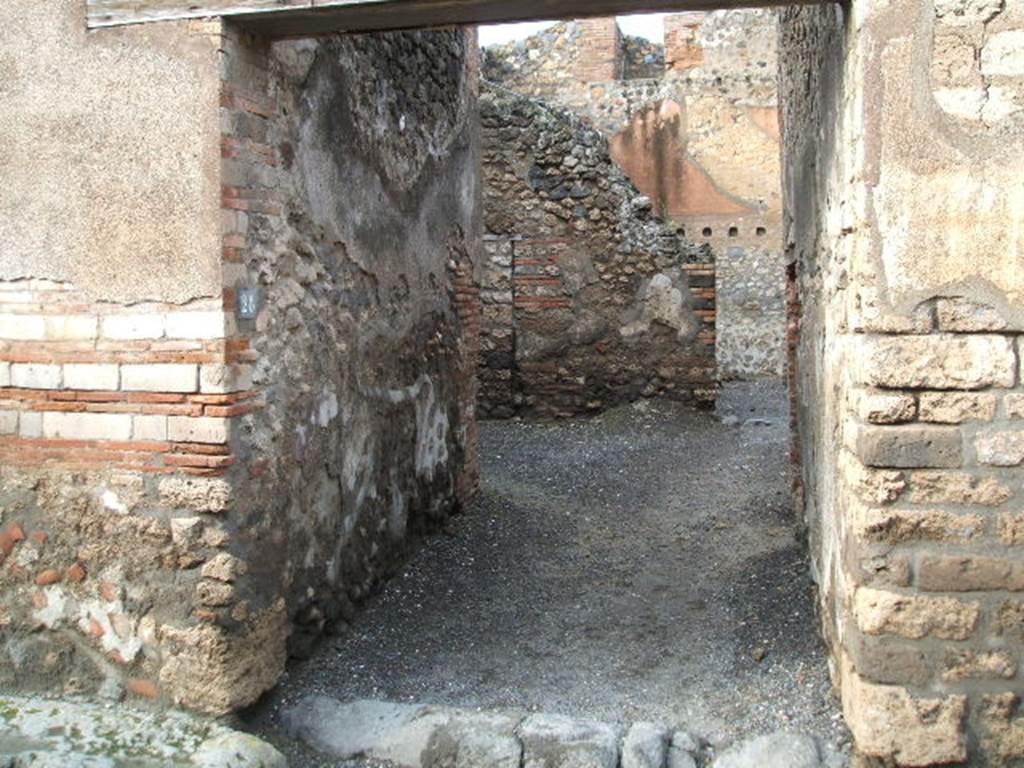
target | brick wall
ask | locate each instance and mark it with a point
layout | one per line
(600, 50)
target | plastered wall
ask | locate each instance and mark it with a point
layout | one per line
(241, 377)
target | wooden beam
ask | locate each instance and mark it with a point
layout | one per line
(293, 18)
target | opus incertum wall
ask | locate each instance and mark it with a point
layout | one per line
(180, 166)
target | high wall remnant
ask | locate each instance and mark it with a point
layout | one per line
(588, 299)
(229, 389)
(693, 123)
(903, 162)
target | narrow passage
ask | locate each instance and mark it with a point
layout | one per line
(644, 564)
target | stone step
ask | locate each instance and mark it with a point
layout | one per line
(424, 736)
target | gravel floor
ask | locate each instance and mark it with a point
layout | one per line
(643, 564)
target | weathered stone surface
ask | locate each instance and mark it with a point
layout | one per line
(406, 735)
(937, 361)
(52, 733)
(966, 664)
(880, 612)
(894, 526)
(1003, 727)
(555, 741)
(910, 446)
(779, 750)
(962, 315)
(1001, 449)
(880, 407)
(888, 723)
(969, 573)
(645, 745)
(957, 488)
(956, 407)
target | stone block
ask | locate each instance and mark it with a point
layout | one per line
(207, 324)
(220, 378)
(93, 376)
(880, 612)
(1011, 528)
(881, 407)
(70, 327)
(22, 327)
(909, 446)
(1003, 54)
(936, 361)
(896, 526)
(1001, 449)
(30, 424)
(1002, 726)
(197, 429)
(957, 488)
(8, 422)
(1013, 403)
(957, 407)
(965, 316)
(5, 374)
(160, 377)
(891, 725)
(968, 664)
(132, 327)
(87, 426)
(35, 376)
(1009, 620)
(969, 573)
(149, 427)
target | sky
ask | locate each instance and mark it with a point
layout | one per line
(647, 25)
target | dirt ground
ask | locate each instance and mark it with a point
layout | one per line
(642, 564)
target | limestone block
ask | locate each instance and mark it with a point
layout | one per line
(220, 378)
(936, 361)
(36, 376)
(1012, 402)
(967, 664)
(1001, 449)
(95, 376)
(909, 446)
(1003, 54)
(957, 488)
(957, 407)
(880, 407)
(779, 750)
(197, 429)
(132, 327)
(969, 573)
(1003, 727)
(5, 374)
(22, 327)
(149, 427)
(895, 526)
(880, 612)
(8, 422)
(965, 316)
(199, 494)
(556, 740)
(70, 327)
(1011, 528)
(889, 724)
(160, 377)
(211, 324)
(87, 426)
(30, 424)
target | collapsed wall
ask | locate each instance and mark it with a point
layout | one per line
(237, 341)
(694, 125)
(902, 136)
(588, 300)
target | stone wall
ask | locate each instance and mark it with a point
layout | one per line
(699, 136)
(588, 299)
(230, 395)
(902, 151)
